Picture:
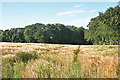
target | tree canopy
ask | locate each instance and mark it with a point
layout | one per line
(49, 33)
(105, 28)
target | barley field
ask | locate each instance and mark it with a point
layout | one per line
(37, 60)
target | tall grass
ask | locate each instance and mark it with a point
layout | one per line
(25, 57)
(13, 67)
(59, 61)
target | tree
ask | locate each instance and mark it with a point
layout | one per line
(104, 29)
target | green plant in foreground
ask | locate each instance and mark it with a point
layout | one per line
(56, 69)
(25, 57)
(76, 53)
(12, 68)
(18, 69)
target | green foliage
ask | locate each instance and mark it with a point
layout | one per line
(13, 35)
(104, 29)
(43, 71)
(1, 35)
(71, 70)
(76, 54)
(25, 57)
(76, 71)
(49, 33)
(17, 35)
(12, 68)
(6, 36)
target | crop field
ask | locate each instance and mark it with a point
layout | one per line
(37, 60)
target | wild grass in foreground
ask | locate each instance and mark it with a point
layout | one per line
(59, 61)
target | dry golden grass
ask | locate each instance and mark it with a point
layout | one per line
(62, 61)
(99, 61)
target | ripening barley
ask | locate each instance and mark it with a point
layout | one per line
(57, 61)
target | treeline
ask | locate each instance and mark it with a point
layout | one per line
(103, 29)
(49, 33)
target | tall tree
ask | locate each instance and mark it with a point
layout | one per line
(105, 28)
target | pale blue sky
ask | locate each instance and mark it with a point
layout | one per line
(20, 14)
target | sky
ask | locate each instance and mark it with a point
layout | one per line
(21, 14)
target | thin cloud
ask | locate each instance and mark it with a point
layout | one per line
(65, 13)
(76, 6)
(71, 13)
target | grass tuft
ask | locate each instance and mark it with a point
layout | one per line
(25, 57)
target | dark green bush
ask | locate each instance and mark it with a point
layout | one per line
(25, 57)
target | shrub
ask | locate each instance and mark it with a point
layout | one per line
(25, 57)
